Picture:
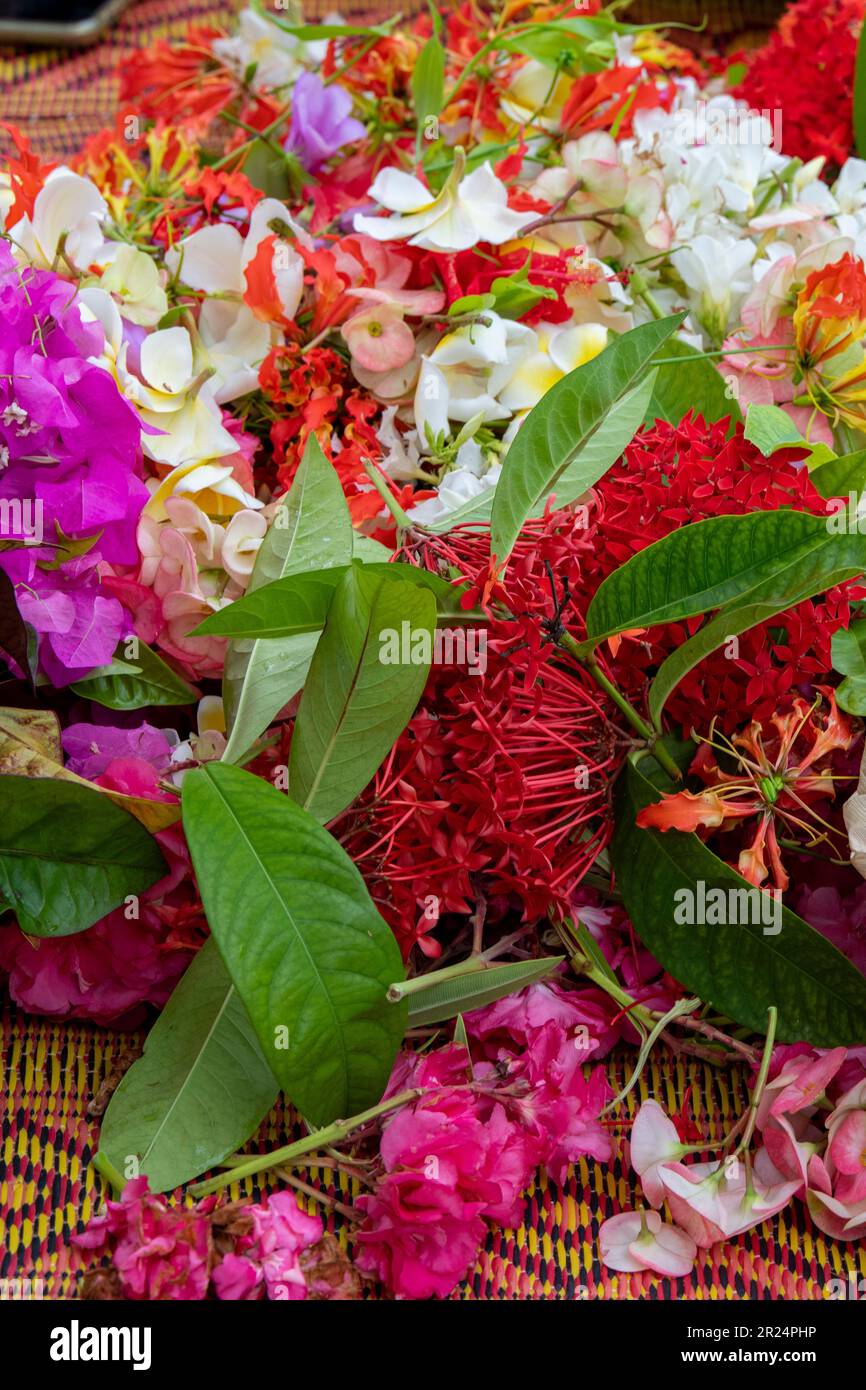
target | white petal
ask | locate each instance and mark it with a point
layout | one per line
(400, 192)
(166, 360)
(209, 260)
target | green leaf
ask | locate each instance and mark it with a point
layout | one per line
(357, 699)
(860, 96)
(770, 429)
(689, 383)
(476, 989)
(428, 85)
(840, 477)
(709, 563)
(561, 426)
(607, 444)
(312, 530)
(838, 559)
(734, 966)
(69, 855)
(136, 684)
(305, 948)
(268, 170)
(848, 650)
(300, 602)
(199, 1090)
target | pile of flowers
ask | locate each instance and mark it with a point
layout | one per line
(286, 352)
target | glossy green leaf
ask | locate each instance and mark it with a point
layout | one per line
(859, 113)
(69, 855)
(616, 431)
(308, 953)
(311, 531)
(200, 1088)
(739, 967)
(477, 989)
(137, 682)
(770, 428)
(300, 602)
(710, 563)
(839, 559)
(357, 699)
(690, 383)
(848, 650)
(428, 85)
(560, 428)
(841, 476)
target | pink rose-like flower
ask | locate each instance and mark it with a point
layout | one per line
(637, 1241)
(160, 1252)
(270, 1255)
(420, 1237)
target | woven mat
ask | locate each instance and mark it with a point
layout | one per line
(51, 1072)
(48, 1188)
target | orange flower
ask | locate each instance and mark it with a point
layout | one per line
(831, 311)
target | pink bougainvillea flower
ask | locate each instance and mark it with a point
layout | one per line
(637, 1241)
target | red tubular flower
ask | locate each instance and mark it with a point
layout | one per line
(498, 788)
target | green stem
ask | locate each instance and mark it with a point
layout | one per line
(652, 303)
(317, 1139)
(108, 1171)
(649, 735)
(378, 481)
(757, 1093)
(418, 983)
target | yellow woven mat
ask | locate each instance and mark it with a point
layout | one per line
(48, 1188)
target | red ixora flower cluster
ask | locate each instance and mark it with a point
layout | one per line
(672, 475)
(807, 69)
(497, 791)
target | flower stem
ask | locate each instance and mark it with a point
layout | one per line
(108, 1171)
(318, 1138)
(757, 1093)
(650, 737)
(377, 479)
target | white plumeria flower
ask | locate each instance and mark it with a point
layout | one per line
(459, 486)
(68, 211)
(561, 348)
(215, 258)
(278, 57)
(849, 191)
(234, 343)
(534, 98)
(462, 377)
(244, 535)
(717, 271)
(468, 210)
(133, 277)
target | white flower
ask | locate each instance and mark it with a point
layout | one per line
(133, 278)
(68, 211)
(244, 534)
(278, 57)
(535, 96)
(849, 191)
(459, 486)
(716, 270)
(462, 377)
(467, 210)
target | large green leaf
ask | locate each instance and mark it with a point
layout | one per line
(838, 477)
(69, 855)
(136, 683)
(735, 966)
(428, 85)
(615, 432)
(831, 565)
(848, 651)
(300, 602)
(305, 948)
(561, 426)
(355, 703)
(710, 563)
(199, 1090)
(859, 113)
(312, 530)
(691, 382)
